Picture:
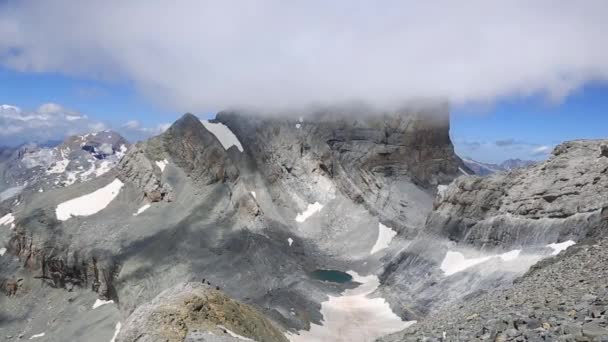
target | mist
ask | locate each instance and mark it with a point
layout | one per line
(210, 55)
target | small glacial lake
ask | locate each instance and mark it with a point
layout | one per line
(331, 276)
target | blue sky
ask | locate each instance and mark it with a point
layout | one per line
(516, 128)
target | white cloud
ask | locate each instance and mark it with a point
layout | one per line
(542, 150)
(134, 131)
(200, 55)
(50, 121)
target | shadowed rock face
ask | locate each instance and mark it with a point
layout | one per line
(198, 152)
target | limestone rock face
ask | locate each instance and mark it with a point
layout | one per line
(559, 198)
(189, 309)
(389, 162)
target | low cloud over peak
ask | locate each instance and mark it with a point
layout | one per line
(201, 55)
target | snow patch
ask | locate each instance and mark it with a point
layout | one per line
(385, 236)
(441, 190)
(253, 194)
(455, 262)
(142, 209)
(100, 302)
(223, 134)
(289, 241)
(235, 335)
(36, 336)
(116, 331)
(58, 167)
(310, 210)
(353, 316)
(7, 219)
(298, 126)
(2, 251)
(161, 164)
(89, 204)
(558, 247)
(104, 167)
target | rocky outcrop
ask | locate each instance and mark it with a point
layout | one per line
(563, 298)
(558, 199)
(198, 152)
(50, 259)
(139, 169)
(188, 310)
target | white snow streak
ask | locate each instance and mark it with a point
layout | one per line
(353, 316)
(253, 194)
(558, 247)
(116, 331)
(36, 336)
(455, 262)
(89, 204)
(233, 334)
(310, 210)
(142, 209)
(2, 251)
(463, 171)
(289, 241)
(7, 219)
(100, 302)
(223, 134)
(385, 236)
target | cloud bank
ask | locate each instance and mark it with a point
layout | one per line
(204, 55)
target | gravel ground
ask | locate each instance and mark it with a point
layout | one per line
(563, 298)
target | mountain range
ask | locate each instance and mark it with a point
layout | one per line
(329, 225)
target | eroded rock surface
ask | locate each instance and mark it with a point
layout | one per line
(193, 309)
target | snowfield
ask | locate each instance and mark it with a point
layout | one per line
(558, 247)
(354, 316)
(310, 210)
(455, 262)
(89, 204)
(385, 236)
(223, 134)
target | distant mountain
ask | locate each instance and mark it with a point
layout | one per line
(484, 169)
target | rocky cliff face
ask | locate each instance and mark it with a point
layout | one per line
(556, 200)
(493, 229)
(388, 162)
